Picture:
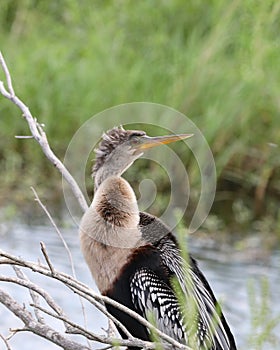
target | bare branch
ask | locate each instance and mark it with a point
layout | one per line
(36, 327)
(34, 295)
(75, 328)
(107, 340)
(111, 319)
(14, 331)
(7, 75)
(38, 200)
(106, 347)
(57, 338)
(43, 248)
(40, 136)
(97, 303)
(24, 137)
(111, 331)
(33, 287)
(5, 342)
(88, 294)
(47, 258)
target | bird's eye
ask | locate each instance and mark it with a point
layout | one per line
(134, 139)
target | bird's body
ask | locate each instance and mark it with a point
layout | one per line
(135, 259)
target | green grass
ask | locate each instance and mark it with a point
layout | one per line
(263, 325)
(216, 61)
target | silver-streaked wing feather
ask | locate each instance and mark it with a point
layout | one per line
(210, 327)
(151, 295)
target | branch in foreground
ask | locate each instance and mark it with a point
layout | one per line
(112, 321)
(84, 291)
(39, 134)
(5, 342)
(36, 327)
(33, 294)
(47, 332)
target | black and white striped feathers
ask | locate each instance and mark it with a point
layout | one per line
(150, 282)
(201, 321)
(152, 297)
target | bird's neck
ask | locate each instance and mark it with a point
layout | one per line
(109, 230)
(102, 174)
(113, 216)
(109, 169)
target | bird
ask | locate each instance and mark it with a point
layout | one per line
(135, 258)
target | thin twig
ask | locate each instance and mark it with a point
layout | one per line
(111, 331)
(99, 338)
(5, 342)
(14, 331)
(47, 258)
(33, 287)
(35, 327)
(24, 137)
(38, 200)
(34, 295)
(76, 329)
(105, 347)
(100, 306)
(7, 75)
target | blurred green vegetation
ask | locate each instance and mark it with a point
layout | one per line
(263, 325)
(215, 61)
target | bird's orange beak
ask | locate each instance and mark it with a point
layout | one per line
(149, 142)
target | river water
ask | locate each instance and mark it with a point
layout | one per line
(232, 274)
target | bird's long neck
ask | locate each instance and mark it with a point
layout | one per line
(109, 230)
(109, 169)
(103, 173)
(113, 216)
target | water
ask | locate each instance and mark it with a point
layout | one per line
(227, 271)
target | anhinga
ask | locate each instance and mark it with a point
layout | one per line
(134, 257)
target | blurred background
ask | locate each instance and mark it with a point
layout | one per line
(215, 61)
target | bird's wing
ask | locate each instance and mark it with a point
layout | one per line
(211, 328)
(152, 297)
(211, 325)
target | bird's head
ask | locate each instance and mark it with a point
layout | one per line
(119, 148)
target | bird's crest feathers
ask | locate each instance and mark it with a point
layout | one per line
(110, 140)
